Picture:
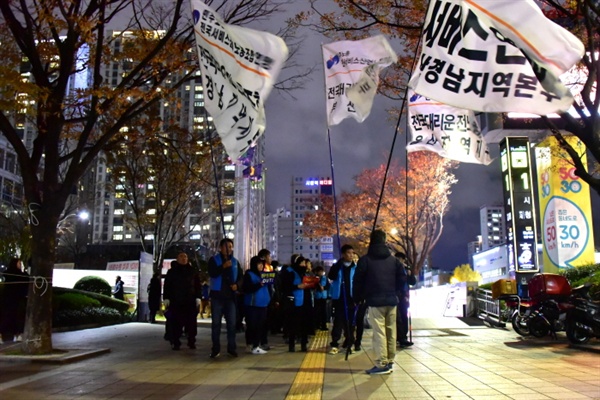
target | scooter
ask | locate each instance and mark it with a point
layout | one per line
(583, 320)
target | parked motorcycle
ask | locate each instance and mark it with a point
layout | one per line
(583, 320)
(546, 309)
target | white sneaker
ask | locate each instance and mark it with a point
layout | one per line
(258, 350)
(334, 350)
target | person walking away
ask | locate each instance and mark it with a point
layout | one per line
(265, 256)
(182, 297)
(154, 295)
(321, 293)
(380, 280)
(298, 303)
(226, 277)
(404, 304)
(256, 301)
(14, 301)
(341, 276)
(119, 289)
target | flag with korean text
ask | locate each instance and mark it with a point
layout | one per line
(495, 56)
(354, 64)
(448, 131)
(239, 66)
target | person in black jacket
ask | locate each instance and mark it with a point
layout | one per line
(380, 280)
(14, 301)
(154, 290)
(403, 304)
(181, 295)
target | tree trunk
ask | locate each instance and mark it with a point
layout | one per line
(38, 321)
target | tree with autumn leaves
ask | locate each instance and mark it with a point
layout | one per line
(48, 49)
(411, 212)
(401, 22)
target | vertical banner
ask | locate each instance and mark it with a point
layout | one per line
(352, 76)
(239, 67)
(519, 210)
(565, 207)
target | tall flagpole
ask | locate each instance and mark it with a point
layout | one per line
(335, 211)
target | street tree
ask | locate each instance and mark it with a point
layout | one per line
(464, 273)
(160, 180)
(57, 126)
(411, 210)
(402, 22)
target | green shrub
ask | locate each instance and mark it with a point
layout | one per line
(74, 301)
(88, 315)
(105, 301)
(585, 274)
(93, 284)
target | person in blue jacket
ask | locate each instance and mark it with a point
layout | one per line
(225, 280)
(321, 293)
(256, 300)
(298, 303)
(348, 315)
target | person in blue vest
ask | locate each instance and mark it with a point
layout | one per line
(345, 308)
(321, 295)
(256, 300)
(226, 277)
(298, 303)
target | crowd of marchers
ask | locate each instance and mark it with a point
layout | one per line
(294, 300)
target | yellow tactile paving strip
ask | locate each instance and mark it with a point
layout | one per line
(308, 384)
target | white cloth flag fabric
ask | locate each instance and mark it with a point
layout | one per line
(239, 66)
(354, 62)
(448, 131)
(482, 54)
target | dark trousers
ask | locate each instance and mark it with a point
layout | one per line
(349, 320)
(321, 313)
(256, 318)
(183, 316)
(223, 308)
(402, 320)
(297, 323)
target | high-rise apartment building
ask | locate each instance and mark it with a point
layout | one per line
(279, 235)
(306, 197)
(493, 228)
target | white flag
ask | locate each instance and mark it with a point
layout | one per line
(446, 130)
(239, 66)
(495, 56)
(357, 63)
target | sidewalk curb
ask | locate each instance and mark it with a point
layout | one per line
(60, 357)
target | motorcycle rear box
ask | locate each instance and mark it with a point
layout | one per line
(549, 285)
(503, 287)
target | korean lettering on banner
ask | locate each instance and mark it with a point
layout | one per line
(238, 67)
(469, 57)
(451, 132)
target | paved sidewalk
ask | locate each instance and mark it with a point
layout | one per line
(450, 360)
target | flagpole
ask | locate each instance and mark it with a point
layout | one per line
(335, 211)
(214, 164)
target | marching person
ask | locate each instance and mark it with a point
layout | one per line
(256, 300)
(404, 304)
(181, 295)
(226, 278)
(380, 280)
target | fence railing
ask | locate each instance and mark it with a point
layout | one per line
(488, 309)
